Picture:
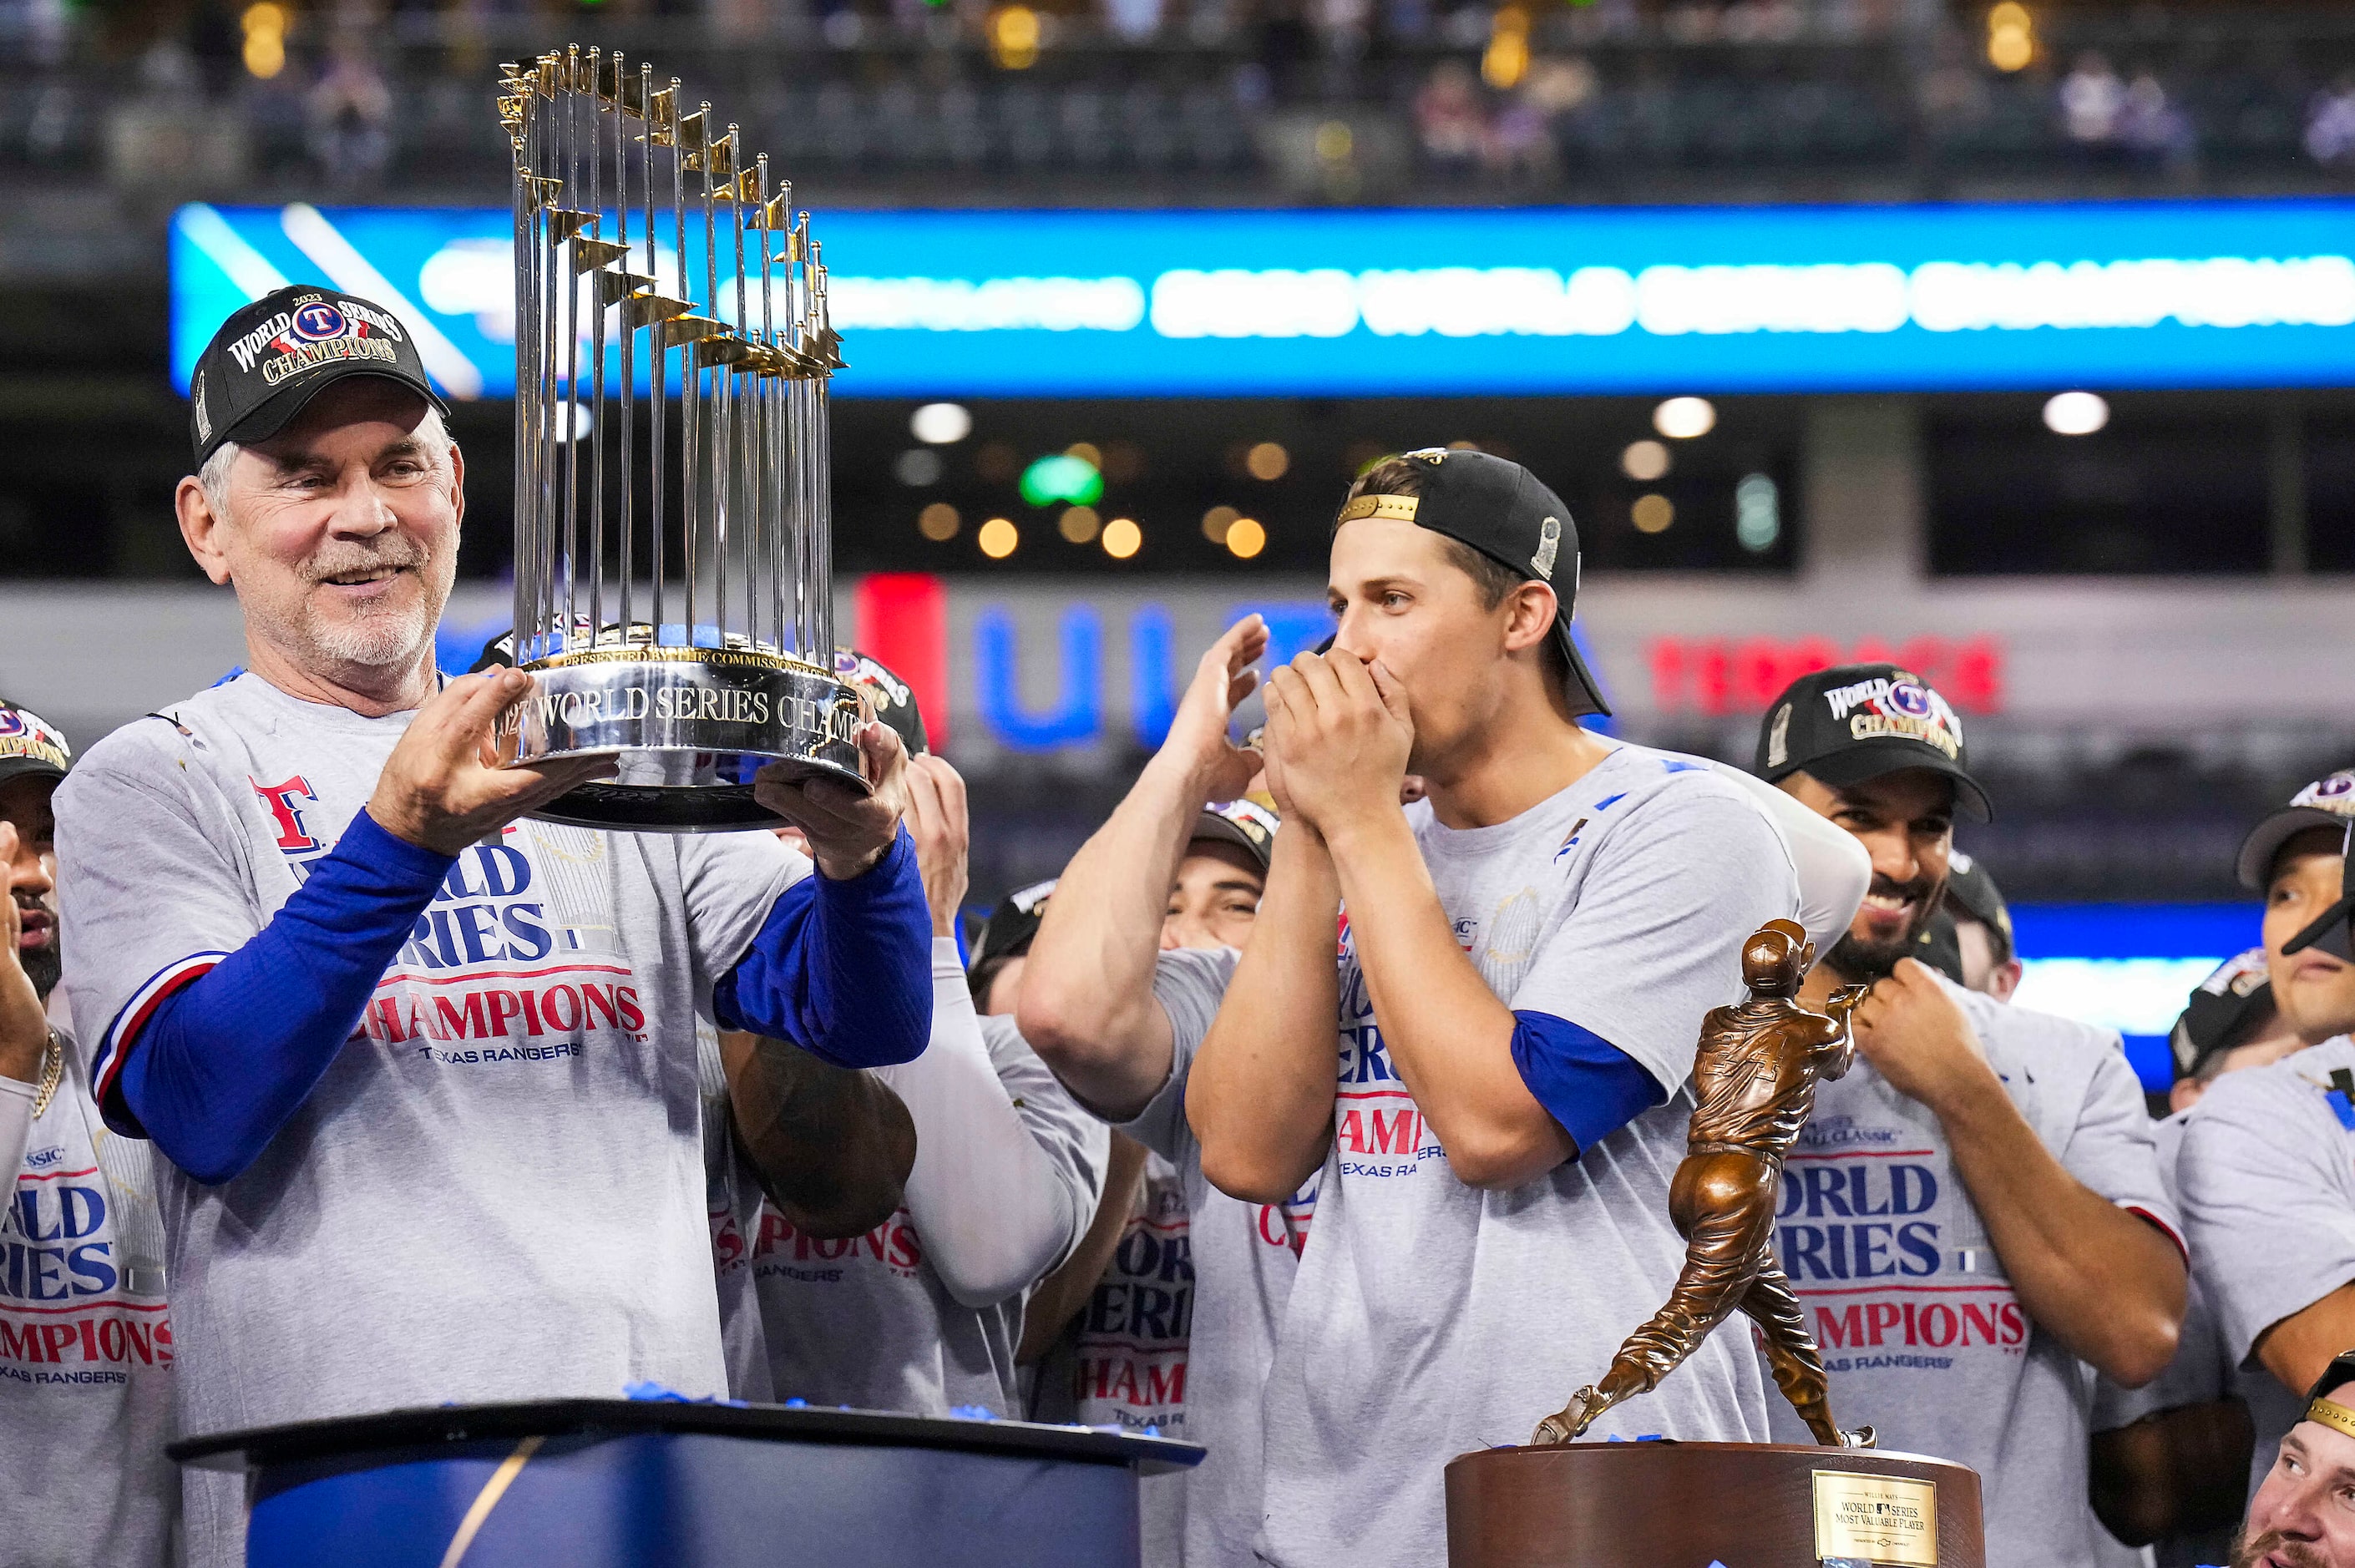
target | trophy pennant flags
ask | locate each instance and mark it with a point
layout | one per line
(673, 548)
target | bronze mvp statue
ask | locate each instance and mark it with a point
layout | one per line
(1558, 1503)
(1755, 1080)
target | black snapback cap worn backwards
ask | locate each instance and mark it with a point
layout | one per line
(269, 359)
(1503, 510)
(1855, 722)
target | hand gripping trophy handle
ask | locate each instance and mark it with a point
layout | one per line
(673, 549)
(1755, 1084)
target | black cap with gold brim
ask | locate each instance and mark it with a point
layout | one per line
(1501, 510)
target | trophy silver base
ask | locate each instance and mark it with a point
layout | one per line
(692, 725)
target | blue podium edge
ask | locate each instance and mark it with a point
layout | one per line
(428, 1425)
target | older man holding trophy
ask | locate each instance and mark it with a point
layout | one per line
(385, 963)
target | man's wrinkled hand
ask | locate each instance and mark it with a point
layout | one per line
(848, 831)
(442, 788)
(1917, 1037)
(1339, 735)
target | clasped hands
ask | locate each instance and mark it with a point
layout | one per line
(1338, 738)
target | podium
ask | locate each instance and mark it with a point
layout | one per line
(1742, 1505)
(596, 1483)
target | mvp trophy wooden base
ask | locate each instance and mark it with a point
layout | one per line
(1709, 1505)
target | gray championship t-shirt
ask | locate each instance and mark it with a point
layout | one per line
(496, 1191)
(1921, 1331)
(1179, 1333)
(1431, 1317)
(2268, 1174)
(85, 1348)
(733, 1202)
(866, 1321)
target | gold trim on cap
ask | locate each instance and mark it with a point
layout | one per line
(1402, 507)
(2331, 1414)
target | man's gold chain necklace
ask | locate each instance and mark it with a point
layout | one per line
(53, 1071)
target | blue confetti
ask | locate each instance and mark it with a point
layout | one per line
(972, 1413)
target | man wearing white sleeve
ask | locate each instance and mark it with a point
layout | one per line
(1525, 961)
(923, 1312)
(1976, 1208)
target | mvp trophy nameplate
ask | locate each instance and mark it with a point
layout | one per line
(673, 556)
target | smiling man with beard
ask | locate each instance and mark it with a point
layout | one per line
(2304, 1513)
(422, 1071)
(1976, 1208)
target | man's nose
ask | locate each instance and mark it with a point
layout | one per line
(363, 508)
(1892, 854)
(31, 870)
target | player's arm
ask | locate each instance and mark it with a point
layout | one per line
(2173, 1471)
(1260, 1094)
(842, 964)
(212, 1054)
(24, 1032)
(832, 1146)
(1087, 1004)
(2297, 1349)
(1060, 1296)
(2103, 1280)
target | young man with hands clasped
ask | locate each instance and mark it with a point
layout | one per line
(1525, 961)
(1973, 1214)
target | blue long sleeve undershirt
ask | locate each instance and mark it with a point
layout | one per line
(1585, 1083)
(842, 968)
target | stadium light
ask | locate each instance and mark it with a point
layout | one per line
(265, 38)
(2075, 413)
(1644, 461)
(1685, 418)
(2011, 36)
(940, 424)
(998, 538)
(1122, 538)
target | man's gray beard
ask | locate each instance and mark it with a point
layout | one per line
(43, 966)
(375, 639)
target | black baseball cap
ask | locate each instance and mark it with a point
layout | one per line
(31, 746)
(894, 699)
(1006, 933)
(2327, 802)
(2221, 1011)
(1855, 722)
(1501, 510)
(1970, 889)
(269, 359)
(2337, 1374)
(1246, 824)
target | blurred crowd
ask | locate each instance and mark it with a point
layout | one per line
(1333, 97)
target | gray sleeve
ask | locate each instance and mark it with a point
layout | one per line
(2266, 1202)
(2112, 1150)
(1188, 984)
(729, 883)
(1655, 938)
(1078, 1147)
(152, 891)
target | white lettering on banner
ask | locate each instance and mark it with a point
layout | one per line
(1237, 302)
(995, 304)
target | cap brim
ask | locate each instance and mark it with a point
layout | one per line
(28, 767)
(1863, 759)
(2255, 865)
(1217, 830)
(274, 414)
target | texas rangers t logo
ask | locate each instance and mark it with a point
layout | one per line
(281, 799)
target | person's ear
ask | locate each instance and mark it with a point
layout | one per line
(1529, 611)
(201, 529)
(2184, 1095)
